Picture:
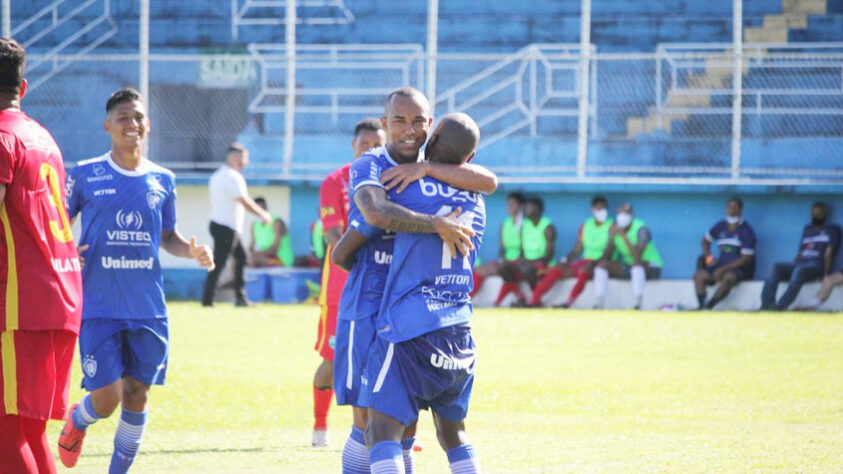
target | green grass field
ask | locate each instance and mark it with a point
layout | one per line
(555, 391)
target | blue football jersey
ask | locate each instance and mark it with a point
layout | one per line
(123, 215)
(363, 291)
(426, 289)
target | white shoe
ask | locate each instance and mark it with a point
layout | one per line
(320, 439)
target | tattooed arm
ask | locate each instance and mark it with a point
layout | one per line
(381, 212)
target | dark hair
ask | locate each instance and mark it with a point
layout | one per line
(368, 124)
(406, 91)
(12, 65)
(126, 94)
(599, 199)
(260, 200)
(822, 205)
(518, 196)
(736, 199)
(235, 147)
(536, 201)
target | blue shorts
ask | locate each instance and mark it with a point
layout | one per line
(353, 341)
(113, 348)
(433, 371)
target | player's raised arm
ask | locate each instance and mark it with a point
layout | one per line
(463, 176)
(380, 212)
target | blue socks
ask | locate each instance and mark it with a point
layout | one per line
(386, 458)
(355, 455)
(84, 415)
(407, 454)
(127, 441)
(463, 460)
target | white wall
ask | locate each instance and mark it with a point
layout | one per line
(193, 208)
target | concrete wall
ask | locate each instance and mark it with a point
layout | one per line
(678, 219)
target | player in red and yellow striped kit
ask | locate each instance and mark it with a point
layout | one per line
(40, 281)
(333, 210)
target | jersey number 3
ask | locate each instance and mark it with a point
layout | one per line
(466, 219)
(61, 231)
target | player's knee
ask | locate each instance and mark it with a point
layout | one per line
(135, 396)
(729, 279)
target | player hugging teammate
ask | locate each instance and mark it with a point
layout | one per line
(404, 311)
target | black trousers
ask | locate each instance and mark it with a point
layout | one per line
(226, 241)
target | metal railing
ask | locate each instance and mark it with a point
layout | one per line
(242, 13)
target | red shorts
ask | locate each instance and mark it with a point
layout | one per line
(35, 379)
(326, 337)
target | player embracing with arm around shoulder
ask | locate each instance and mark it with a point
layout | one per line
(128, 212)
(39, 279)
(423, 355)
(366, 250)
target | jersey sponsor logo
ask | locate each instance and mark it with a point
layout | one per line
(99, 174)
(383, 258)
(437, 300)
(65, 265)
(441, 361)
(438, 189)
(124, 263)
(451, 279)
(104, 192)
(90, 366)
(129, 220)
(130, 223)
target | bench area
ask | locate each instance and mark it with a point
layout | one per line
(659, 294)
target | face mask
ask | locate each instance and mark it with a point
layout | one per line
(733, 220)
(818, 221)
(600, 215)
(623, 219)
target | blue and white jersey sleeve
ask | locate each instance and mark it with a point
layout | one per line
(358, 223)
(168, 204)
(747, 237)
(366, 170)
(73, 191)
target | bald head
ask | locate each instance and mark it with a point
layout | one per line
(454, 139)
(410, 93)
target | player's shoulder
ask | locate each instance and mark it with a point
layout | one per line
(95, 165)
(161, 171)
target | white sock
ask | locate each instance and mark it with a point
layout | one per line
(639, 278)
(814, 303)
(601, 284)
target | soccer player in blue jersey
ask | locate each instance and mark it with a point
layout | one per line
(423, 355)
(369, 265)
(128, 212)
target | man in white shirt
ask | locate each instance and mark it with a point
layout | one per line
(229, 201)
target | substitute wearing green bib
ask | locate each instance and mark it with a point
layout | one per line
(264, 239)
(650, 256)
(595, 237)
(533, 238)
(510, 239)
